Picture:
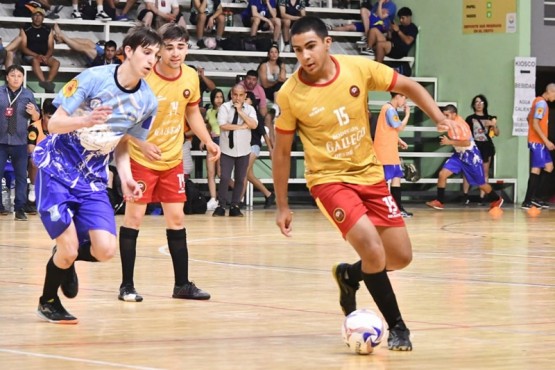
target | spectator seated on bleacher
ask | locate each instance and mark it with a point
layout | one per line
(251, 84)
(123, 14)
(155, 14)
(207, 15)
(272, 73)
(380, 22)
(262, 15)
(385, 9)
(398, 41)
(37, 52)
(97, 54)
(289, 12)
(26, 8)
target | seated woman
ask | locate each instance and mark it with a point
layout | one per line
(272, 73)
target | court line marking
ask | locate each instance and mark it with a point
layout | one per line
(76, 359)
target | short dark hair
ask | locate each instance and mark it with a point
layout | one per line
(110, 44)
(141, 36)
(310, 23)
(394, 94)
(450, 108)
(48, 107)
(14, 67)
(173, 31)
(252, 97)
(404, 12)
(252, 72)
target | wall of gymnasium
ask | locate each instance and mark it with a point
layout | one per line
(466, 65)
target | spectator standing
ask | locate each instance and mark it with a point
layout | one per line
(483, 127)
(236, 119)
(18, 106)
(213, 167)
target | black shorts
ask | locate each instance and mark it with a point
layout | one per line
(487, 150)
(397, 51)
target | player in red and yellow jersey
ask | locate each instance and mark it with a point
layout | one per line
(466, 159)
(157, 163)
(387, 142)
(325, 102)
(539, 146)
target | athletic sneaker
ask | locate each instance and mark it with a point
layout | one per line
(76, 15)
(399, 338)
(189, 291)
(347, 292)
(53, 311)
(527, 205)
(406, 214)
(102, 16)
(128, 293)
(363, 41)
(270, 201)
(219, 212)
(368, 51)
(435, 204)
(212, 204)
(540, 203)
(496, 203)
(20, 216)
(235, 211)
(122, 18)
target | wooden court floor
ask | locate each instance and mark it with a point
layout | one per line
(480, 294)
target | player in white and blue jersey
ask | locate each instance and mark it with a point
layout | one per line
(97, 113)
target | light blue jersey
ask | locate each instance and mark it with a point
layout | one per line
(80, 159)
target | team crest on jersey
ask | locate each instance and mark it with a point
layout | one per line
(355, 91)
(142, 185)
(70, 88)
(32, 136)
(339, 215)
(186, 93)
(539, 111)
(94, 103)
(396, 118)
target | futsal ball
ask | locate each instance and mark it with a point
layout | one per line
(210, 43)
(362, 331)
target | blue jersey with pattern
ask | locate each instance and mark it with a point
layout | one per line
(80, 159)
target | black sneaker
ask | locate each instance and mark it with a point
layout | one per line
(406, 214)
(219, 212)
(53, 311)
(399, 338)
(30, 208)
(526, 205)
(127, 293)
(234, 211)
(540, 204)
(270, 201)
(189, 291)
(3, 212)
(70, 285)
(20, 215)
(347, 292)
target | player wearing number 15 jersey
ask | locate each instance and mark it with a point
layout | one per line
(325, 102)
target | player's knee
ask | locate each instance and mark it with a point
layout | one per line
(105, 253)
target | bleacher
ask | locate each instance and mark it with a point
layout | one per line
(222, 66)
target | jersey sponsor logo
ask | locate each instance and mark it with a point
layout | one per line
(315, 111)
(32, 136)
(186, 93)
(354, 91)
(70, 88)
(339, 215)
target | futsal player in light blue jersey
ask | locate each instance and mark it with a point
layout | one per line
(97, 113)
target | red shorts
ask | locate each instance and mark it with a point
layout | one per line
(166, 186)
(344, 204)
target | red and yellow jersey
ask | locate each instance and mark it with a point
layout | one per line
(167, 130)
(386, 139)
(539, 111)
(35, 133)
(332, 121)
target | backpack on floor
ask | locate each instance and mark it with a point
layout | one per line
(195, 204)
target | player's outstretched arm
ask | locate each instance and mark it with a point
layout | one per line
(420, 96)
(281, 165)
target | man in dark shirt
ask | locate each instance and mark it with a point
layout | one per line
(399, 40)
(37, 47)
